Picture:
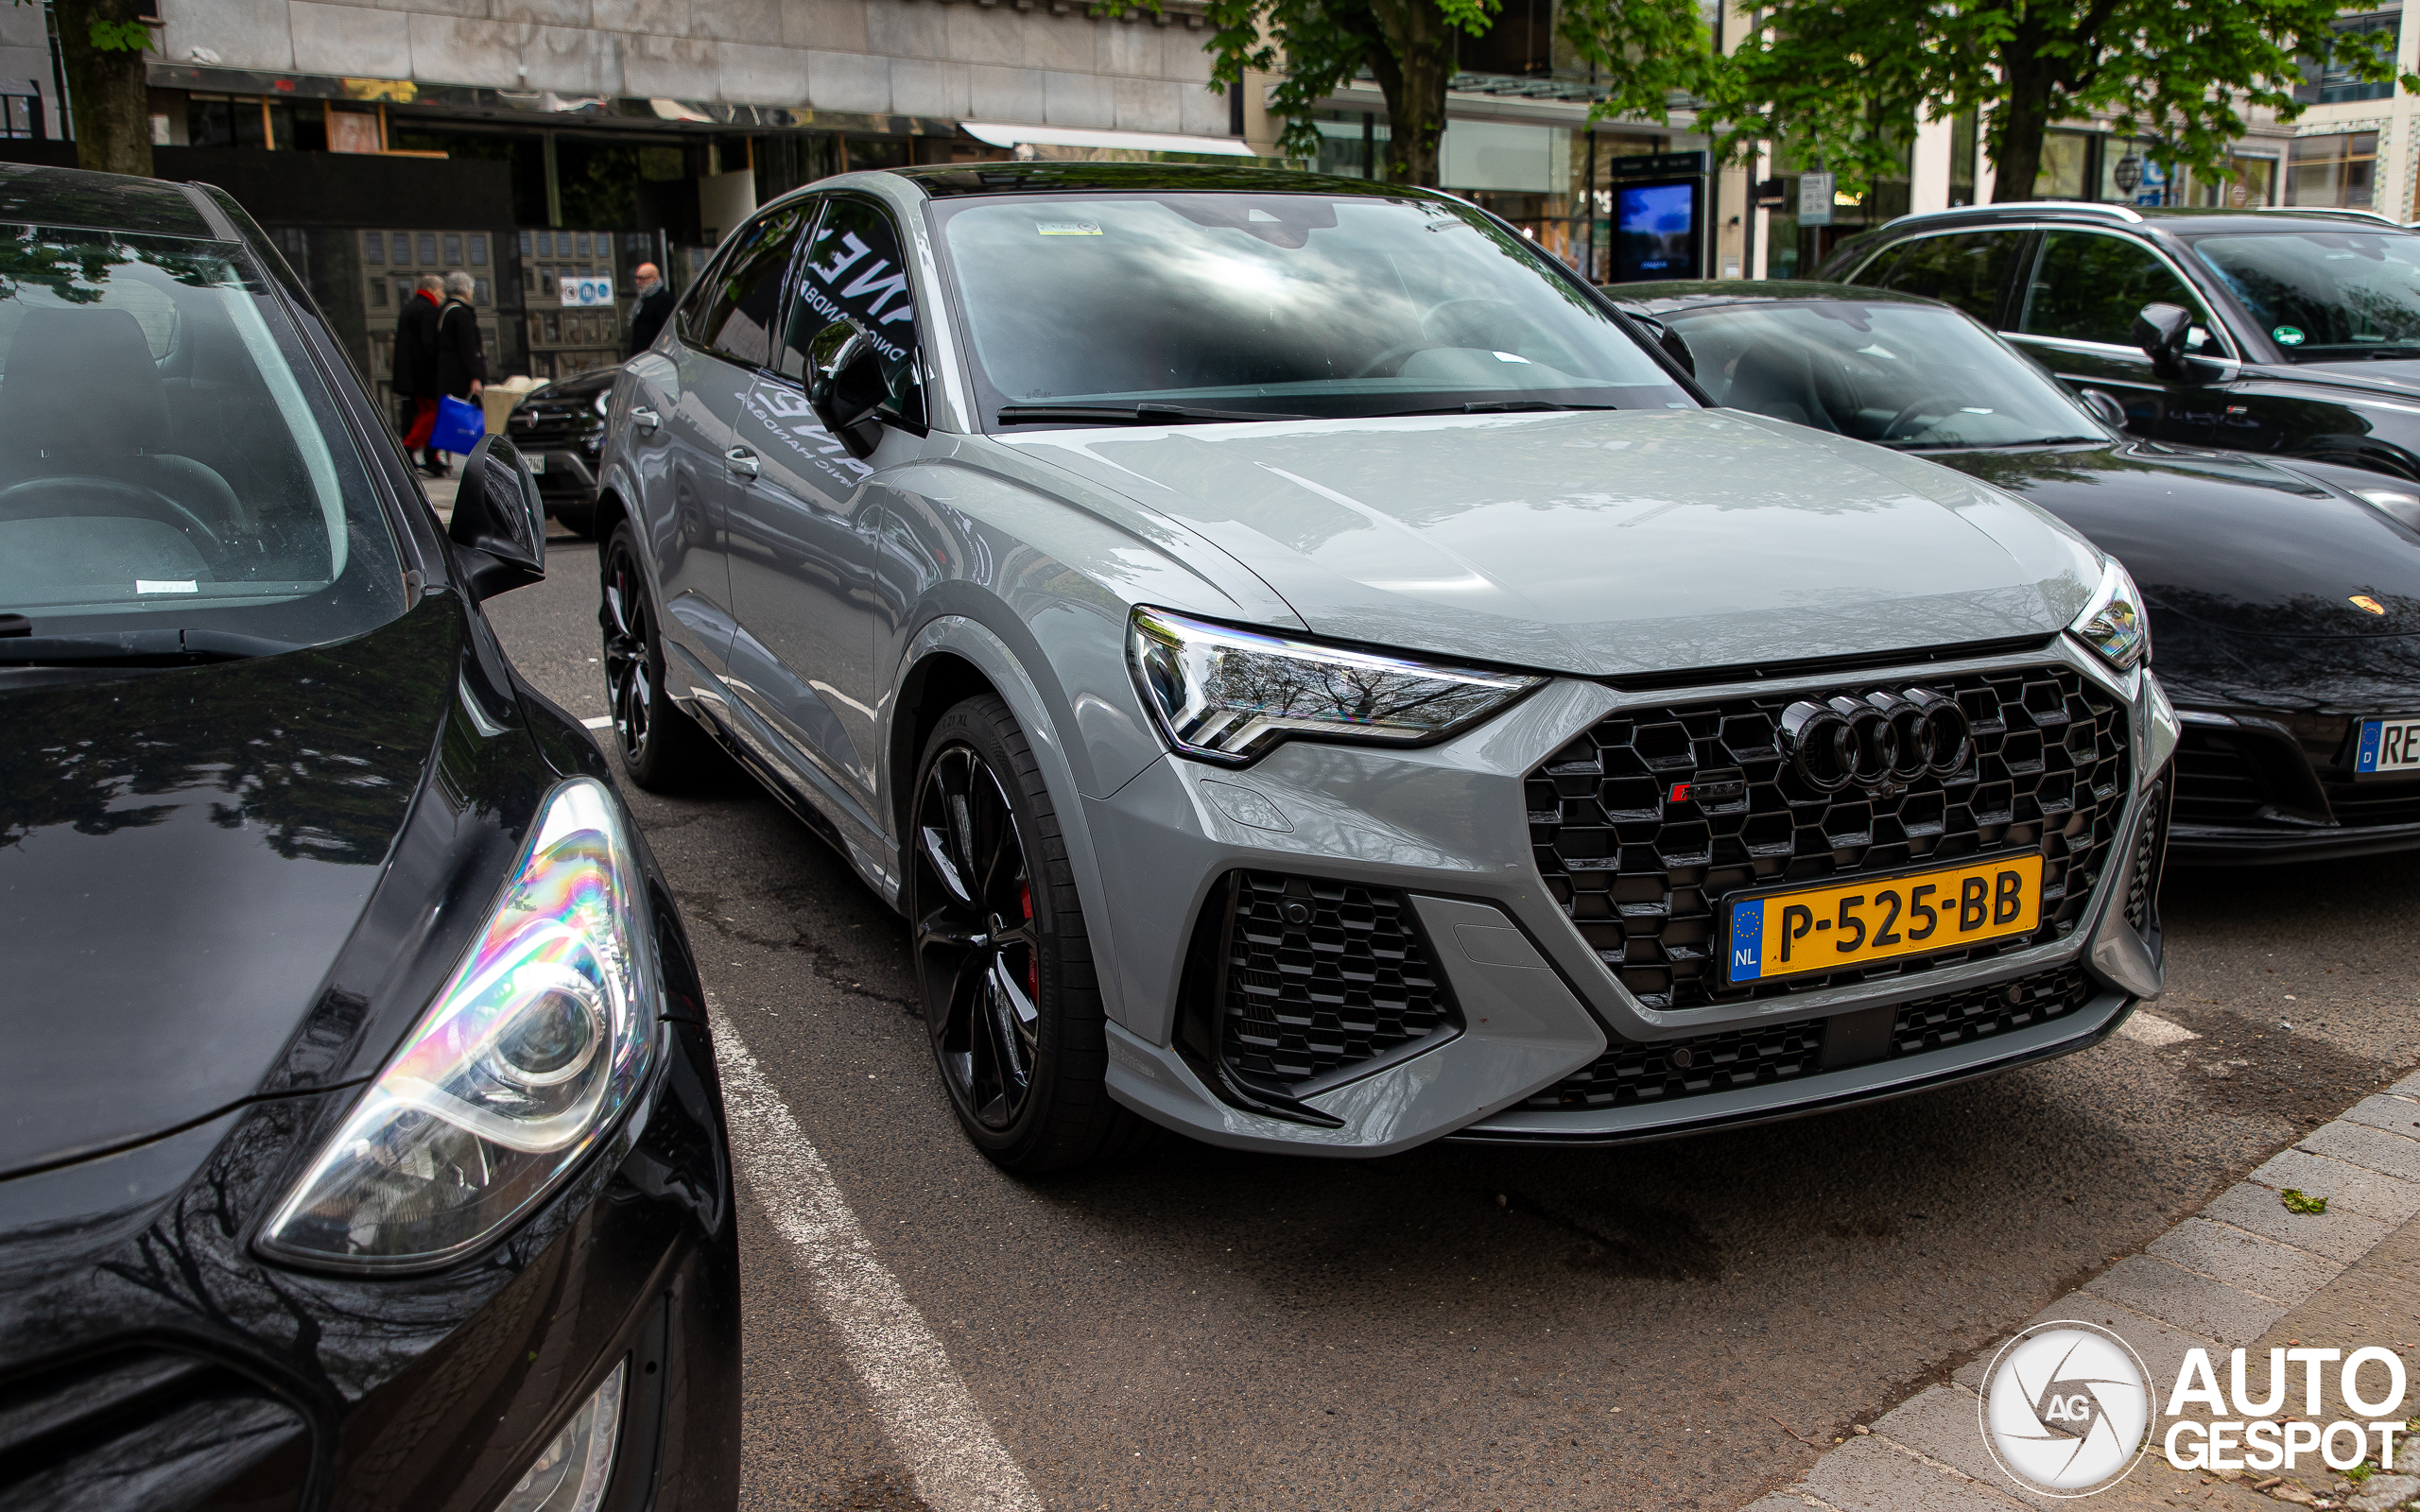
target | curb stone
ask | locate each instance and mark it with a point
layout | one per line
(2218, 1279)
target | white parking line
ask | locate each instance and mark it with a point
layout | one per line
(600, 722)
(956, 1464)
(2150, 1030)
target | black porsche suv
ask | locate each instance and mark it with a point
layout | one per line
(361, 1144)
(2295, 332)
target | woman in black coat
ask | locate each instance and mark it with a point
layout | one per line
(461, 362)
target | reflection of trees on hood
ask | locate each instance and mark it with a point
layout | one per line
(318, 749)
(2296, 653)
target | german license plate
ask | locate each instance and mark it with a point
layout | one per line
(537, 461)
(1794, 930)
(2388, 746)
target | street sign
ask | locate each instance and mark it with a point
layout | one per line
(583, 292)
(1814, 198)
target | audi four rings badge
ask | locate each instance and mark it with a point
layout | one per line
(1881, 742)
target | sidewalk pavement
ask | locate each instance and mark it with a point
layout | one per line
(2244, 1271)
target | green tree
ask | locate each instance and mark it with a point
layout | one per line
(1847, 78)
(101, 46)
(1643, 52)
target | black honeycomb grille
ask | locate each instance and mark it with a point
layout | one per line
(1629, 1073)
(1761, 1055)
(2151, 846)
(1321, 976)
(1642, 877)
(1956, 1018)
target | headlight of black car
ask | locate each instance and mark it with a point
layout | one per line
(2113, 623)
(529, 1056)
(1227, 695)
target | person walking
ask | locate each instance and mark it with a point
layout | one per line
(461, 361)
(653, 308)
(415, 374)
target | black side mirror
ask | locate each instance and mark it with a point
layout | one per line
(1668, 340)
(2161, 330)
(499, 523)
(853, 394)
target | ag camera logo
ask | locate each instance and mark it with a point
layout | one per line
(2066, 1409)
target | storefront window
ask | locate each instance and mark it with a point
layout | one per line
(2067, 165)
(1961, 159)
(2332, 170)
(1352, 144)
(2255, 182)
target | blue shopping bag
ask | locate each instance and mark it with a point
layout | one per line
(459, 425)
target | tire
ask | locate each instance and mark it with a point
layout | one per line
(663, 748)
(1011, 1001)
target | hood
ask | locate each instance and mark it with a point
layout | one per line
(1601, 544)
(2236, 543)
(181, 856)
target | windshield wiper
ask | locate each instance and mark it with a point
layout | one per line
(1143, 414)
(1494, 406)
(151, 647)
(1994, 446)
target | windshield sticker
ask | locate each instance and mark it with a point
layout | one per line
(1066, 228)
(2289, 336)
(156, 585)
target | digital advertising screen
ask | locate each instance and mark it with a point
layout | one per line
(1658, 229)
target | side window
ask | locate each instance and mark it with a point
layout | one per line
(853, 269)
(737, 314)
(1966, 269)
(2087, 287)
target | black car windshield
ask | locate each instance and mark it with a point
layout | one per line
(167, 458)
(1235, 305)
(1912, 376)
(2325, 296)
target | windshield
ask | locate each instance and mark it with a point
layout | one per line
(2325, 295)
(1245, 305)
(1906, 375)
(167, 458)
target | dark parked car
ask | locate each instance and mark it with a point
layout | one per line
(362, 1143)
(560, 428)
(2285, 612)
(2296, 333)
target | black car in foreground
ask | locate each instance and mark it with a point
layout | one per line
(361, 1144)
(560, 429)
(2284, 612)
(2295, 332)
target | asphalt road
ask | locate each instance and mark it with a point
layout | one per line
(1672, 1325)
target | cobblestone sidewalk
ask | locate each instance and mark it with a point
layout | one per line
(2229, 1276)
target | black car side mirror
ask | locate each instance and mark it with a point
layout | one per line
(499, 526)
(2104, 408)
(851, 394)
(2161, 330)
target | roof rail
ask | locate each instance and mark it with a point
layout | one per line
(2024, 206)
(2338, 212)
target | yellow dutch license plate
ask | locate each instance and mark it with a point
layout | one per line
(1798, 930)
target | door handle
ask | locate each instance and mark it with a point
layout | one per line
(645, 419)
(742, 461)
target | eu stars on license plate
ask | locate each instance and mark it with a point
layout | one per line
(1794, 930)
(2388, 746)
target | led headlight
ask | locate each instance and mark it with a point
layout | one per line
(1228, 694)
(2113, 623)
(604, 404)
(528, 1057)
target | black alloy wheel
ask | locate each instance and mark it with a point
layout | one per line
(1010, 1002)
(662, 746)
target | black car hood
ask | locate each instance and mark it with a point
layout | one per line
(183, 853)
(2235, 543)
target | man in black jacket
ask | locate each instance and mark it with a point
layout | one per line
(415, 372)
(653, 308)
(460, 361)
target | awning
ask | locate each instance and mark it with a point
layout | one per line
(1055, 136)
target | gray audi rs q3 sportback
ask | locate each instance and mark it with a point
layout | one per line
(1317, 678)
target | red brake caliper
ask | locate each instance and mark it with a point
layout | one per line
(1032, 956)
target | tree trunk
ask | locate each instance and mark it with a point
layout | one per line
(1413, 67)
(2020, 121)
(106, 94)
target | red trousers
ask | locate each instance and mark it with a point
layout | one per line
(424, 422)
